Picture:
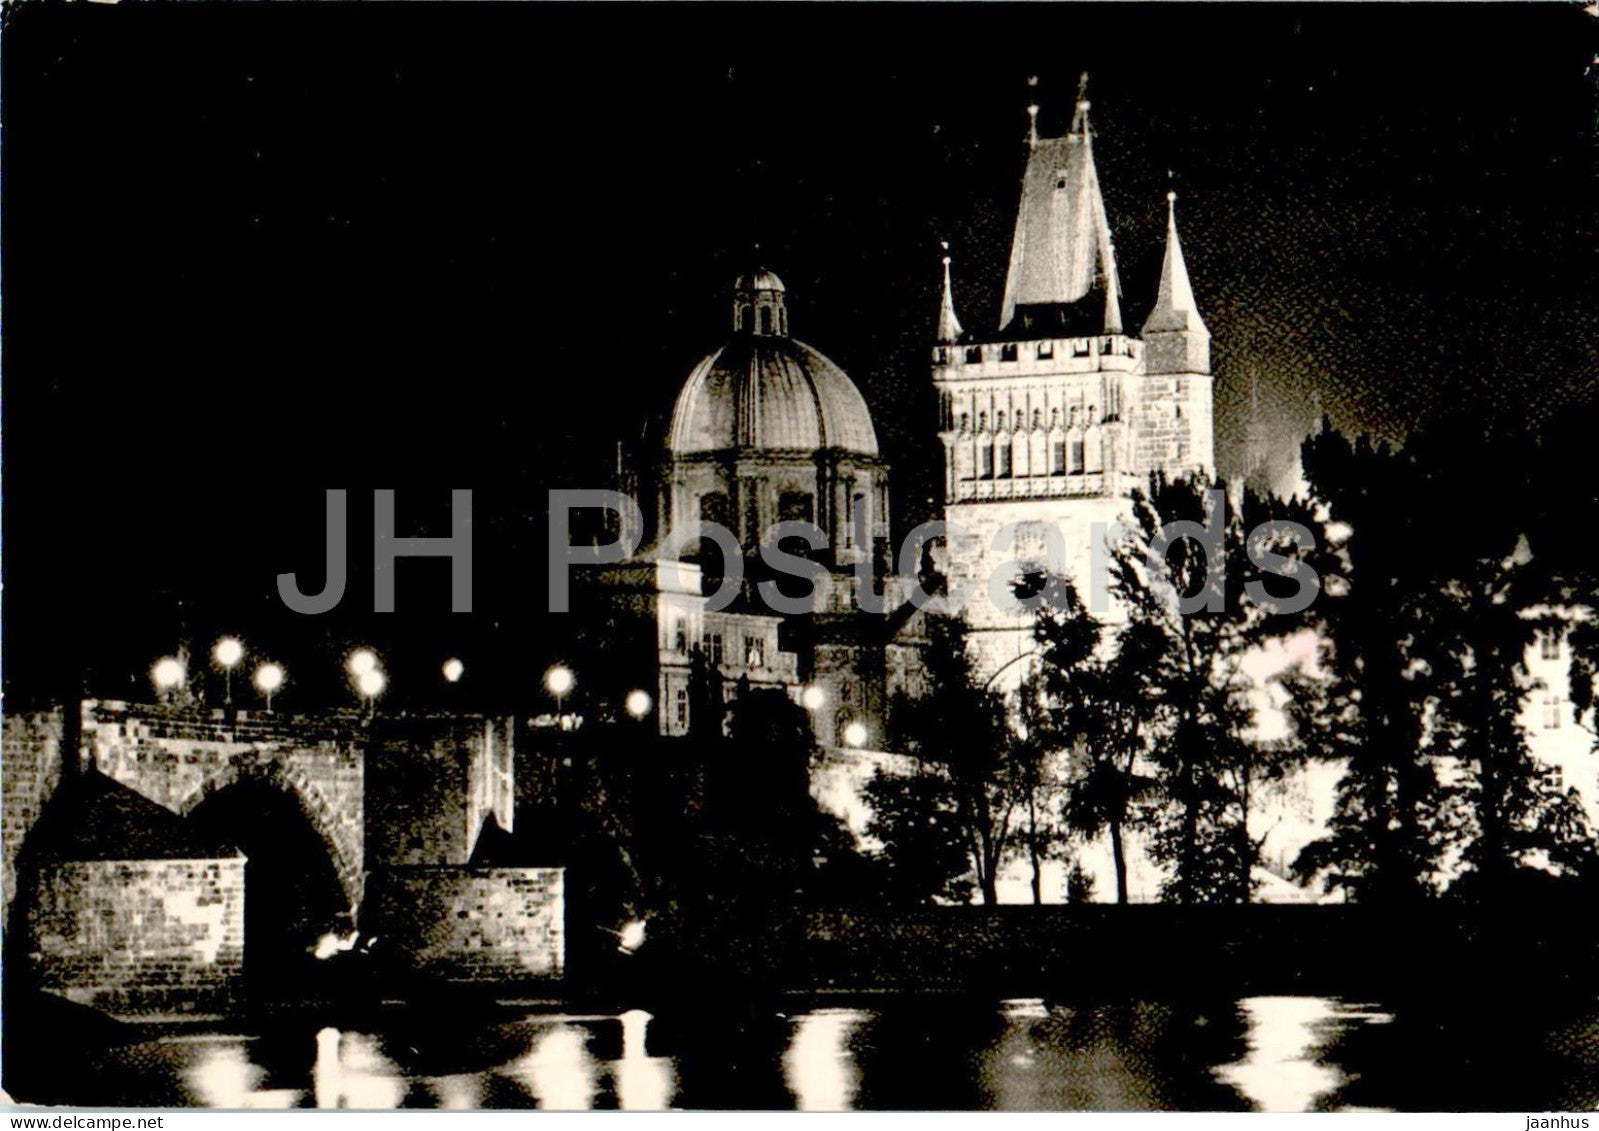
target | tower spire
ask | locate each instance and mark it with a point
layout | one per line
(1062, 250)
(949, 327)
(1175, 308)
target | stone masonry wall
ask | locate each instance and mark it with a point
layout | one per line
(176, 757)
(134, 936)
(472, 924)
(30, 769)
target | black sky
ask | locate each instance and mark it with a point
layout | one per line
(252, 252)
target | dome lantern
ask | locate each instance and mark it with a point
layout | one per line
(758, 305)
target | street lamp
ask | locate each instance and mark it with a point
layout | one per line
(371, 684)
(453, 670)
(855, 734)
(639, 703)
(168, 674)
(268, 678)
(814, 698)
(558, 681)
(227, 653)
(360, 662)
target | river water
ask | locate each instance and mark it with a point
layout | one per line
(1268, 1053)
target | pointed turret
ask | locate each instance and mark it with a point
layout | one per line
(1062, 278)
(1175, 337)
(949, 327)
(1175, 308)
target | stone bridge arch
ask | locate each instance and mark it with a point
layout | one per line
(277, 770)
(178, 758)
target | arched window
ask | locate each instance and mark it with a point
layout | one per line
(1002, 458)
(746, 319)
(796, 506)
(766, 320)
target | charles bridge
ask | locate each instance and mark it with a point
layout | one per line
(137, 837)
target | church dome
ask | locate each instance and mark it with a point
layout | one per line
(759, 281)
(766, 391)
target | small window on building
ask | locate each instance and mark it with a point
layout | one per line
(985, 461)
(1007, 352)
(682, 709)
(1002, 470)
(1077, 457)
(754, 652)
(1549, 645)
(1058, 458)
(966, 422)
(766, 320)
(714, 647)
(1060, 182)
(974, 355)
(746, 320)
(680, 637)
(1551, 712)
(1046, 350)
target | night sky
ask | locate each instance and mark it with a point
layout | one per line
(252, 252)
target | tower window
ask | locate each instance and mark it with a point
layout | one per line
(1046, 350)
(974, 355)
(1007, 352)
(746, 319)
(1549, 645)
(766, 320)
(754, 652)
(1551, 712)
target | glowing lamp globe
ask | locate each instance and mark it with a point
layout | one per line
(855, 734)
(639, 703)
(361, 662)
(228, 651)
(268, 678)
(814, 698)
(168, 673)
(454, 670)
(371, 683)
(559, 680)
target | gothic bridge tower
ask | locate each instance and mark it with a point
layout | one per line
(1057, 417)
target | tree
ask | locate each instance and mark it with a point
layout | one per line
(961, 729)
(1194, 612)
(1099, 710)
(1385, 841)
(923, 854)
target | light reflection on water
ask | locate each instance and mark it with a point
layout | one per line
(1269, 1053)
(1282, 1071)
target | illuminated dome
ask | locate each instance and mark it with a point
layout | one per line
(766, 429)
(765, 391)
